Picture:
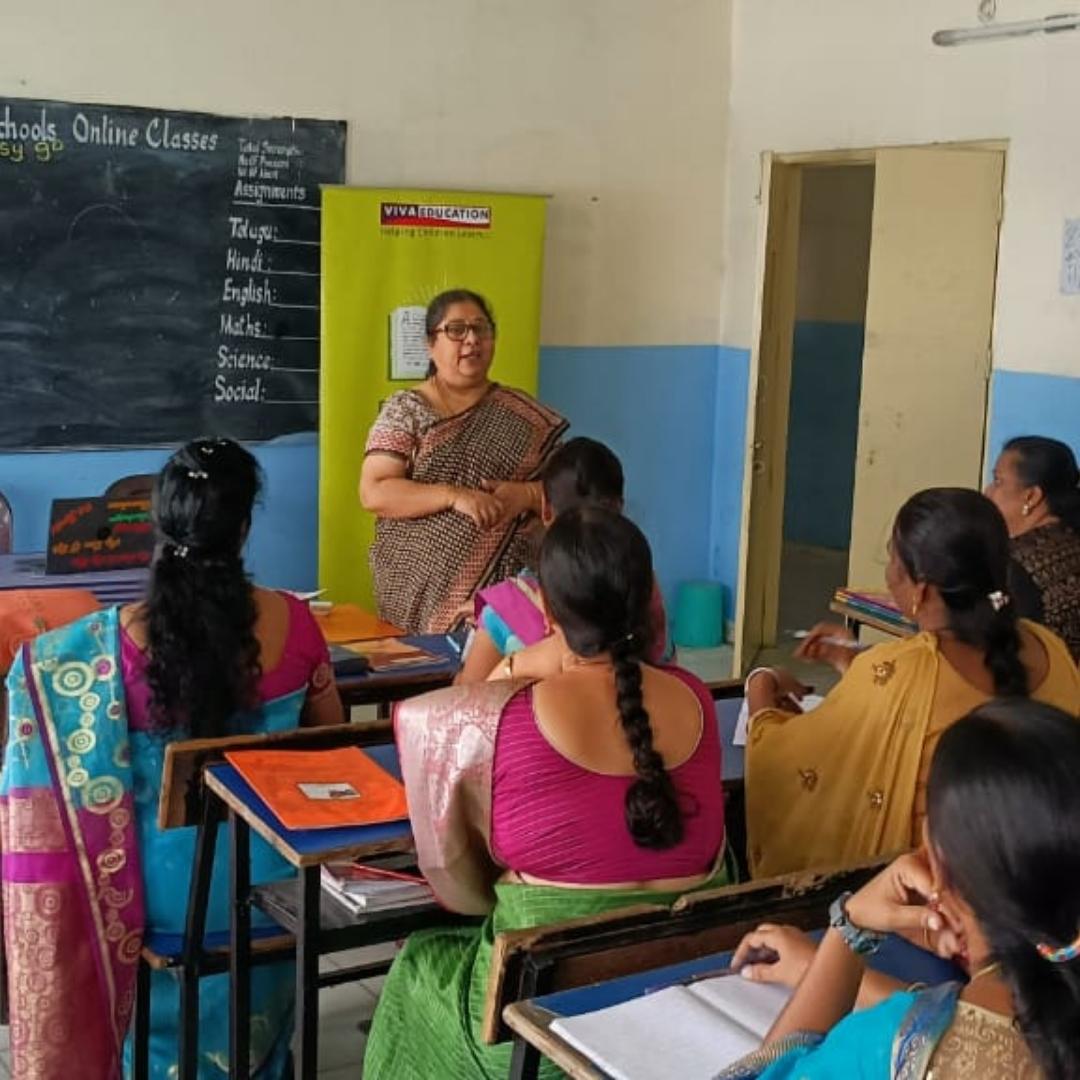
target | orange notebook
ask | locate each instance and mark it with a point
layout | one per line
(347, 622)
(322, 789)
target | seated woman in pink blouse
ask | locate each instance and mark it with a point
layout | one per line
(94, 707)
(531, 802)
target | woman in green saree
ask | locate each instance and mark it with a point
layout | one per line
(589, 790)
(1001, 876)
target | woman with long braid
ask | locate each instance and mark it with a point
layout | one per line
(93, 707)
(593, 788)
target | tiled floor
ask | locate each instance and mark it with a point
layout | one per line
(344, 1017)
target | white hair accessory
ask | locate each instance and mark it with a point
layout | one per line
(997, 599)
(198, 474)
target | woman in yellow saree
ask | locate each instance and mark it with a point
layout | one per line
(848, 780)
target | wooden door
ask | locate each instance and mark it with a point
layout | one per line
(761, 539)
(926, 359)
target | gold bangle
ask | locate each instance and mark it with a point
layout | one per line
(508, 664)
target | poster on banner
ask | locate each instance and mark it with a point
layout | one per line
(386, 253)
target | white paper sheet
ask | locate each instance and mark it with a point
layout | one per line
(809, 703)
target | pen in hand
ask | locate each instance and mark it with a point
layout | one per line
(754, 956)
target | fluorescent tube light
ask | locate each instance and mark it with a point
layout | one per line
(1052, 24)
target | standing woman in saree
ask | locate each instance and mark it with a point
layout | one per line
(92, 708)
(592, 789)
(451, 471)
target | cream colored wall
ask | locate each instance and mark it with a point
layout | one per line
(614, 107)
(834, 243)
(859, 73)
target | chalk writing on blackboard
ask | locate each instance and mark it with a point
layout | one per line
(161, 274)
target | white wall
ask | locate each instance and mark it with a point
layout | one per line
(860, 73)
(615, 107)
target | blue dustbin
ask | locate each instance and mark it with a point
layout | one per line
(699, 614)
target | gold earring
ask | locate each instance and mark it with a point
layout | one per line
(914, 608)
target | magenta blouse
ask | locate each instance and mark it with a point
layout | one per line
(554, 819)
(304, 662)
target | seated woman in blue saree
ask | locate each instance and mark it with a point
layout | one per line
(87, 874)
(1000, 876)
(532, 802)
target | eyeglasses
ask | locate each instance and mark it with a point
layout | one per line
(458, 330)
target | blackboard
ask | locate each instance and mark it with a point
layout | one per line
(159, 274)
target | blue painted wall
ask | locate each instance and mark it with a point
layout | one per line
(667, 411)
(823, 429)
(282, 548)
(1025, 403)
(729, 456)
(676, 415)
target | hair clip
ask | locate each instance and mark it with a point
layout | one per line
(997, 599)
(1062, 955)
(198, 474)
(179, 550)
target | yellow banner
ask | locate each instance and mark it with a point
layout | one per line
(385, 254)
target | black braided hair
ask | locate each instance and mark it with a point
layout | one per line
(956, 540)
(1003, 815)
(200, 609)
(597, 579)
(582, 471)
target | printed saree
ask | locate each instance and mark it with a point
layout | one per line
(426, 569)
(78, 826)
(427, 1022)
(844, 782)
(909, 1036)
(72, 889)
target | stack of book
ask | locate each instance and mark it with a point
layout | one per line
(380, 655)
(363, 888)
(877, 605)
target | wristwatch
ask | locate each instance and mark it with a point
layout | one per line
(861, 942)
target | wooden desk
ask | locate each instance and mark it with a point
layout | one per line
(384, 688)
(109, 586)
(532, 1019)
(314, 932)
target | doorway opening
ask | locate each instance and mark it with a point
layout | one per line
(870, 368)
(836, 210)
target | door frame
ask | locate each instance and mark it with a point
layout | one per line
(765, 451)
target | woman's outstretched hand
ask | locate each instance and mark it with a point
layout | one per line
(822, 646)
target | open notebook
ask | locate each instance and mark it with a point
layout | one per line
(679, 1033)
